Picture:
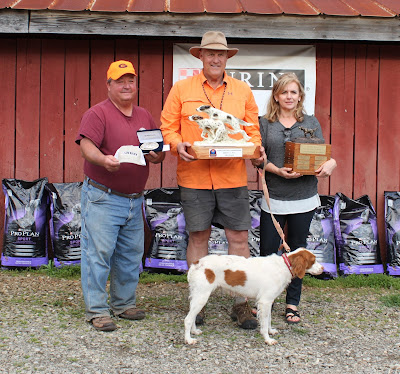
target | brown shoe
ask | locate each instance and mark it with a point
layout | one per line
(103, 324)
(242, 314)
(133, 314)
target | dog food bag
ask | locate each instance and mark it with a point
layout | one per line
(392, 230)
(218, 243)
(356, 235)
(65, 222)
(255, 212)
(321, 240)
(164, 216)
(25, 225)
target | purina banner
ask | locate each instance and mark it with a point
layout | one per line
(259, 66)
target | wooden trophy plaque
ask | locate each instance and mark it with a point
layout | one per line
(305, 158)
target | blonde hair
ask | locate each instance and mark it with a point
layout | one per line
(273, 108)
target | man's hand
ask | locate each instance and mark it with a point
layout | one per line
(181, 149)
(263, 158)
(111, 164)
(92, 154)
(155, 157)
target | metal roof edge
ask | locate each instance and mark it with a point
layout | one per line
(243, 25)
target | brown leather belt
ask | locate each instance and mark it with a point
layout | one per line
(109, 190)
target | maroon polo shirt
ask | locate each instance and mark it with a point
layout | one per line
(108, 128)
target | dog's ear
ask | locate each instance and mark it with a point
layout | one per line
(301, 261)
(299, 264)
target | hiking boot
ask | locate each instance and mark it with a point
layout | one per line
(242, 314)
(103, 323)
(200, 318)
(133, 314)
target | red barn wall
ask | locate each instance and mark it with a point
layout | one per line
(47, 84)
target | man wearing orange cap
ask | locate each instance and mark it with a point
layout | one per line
(112, 239)
(212, 191)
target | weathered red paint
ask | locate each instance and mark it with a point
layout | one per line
(342, 131)
(27, 109)
(323, 97)
(366, 121)
(52, 110)
(76, 103)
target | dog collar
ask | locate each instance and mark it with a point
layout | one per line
(287, 262)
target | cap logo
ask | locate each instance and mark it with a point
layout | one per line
(122, 66)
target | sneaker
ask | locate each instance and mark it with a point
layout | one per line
(242, 314)
(133, 314)
(200, 318)
(103, 324)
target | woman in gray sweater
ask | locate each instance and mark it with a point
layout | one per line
(293, 197)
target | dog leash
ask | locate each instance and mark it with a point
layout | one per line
(278, 227)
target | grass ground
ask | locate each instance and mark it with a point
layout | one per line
(373, 281)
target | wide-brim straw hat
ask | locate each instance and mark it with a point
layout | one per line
(213, 40)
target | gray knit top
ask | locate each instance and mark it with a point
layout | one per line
(273, 140)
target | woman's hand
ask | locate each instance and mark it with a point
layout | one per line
(283, 172)
(287, 173)
(326, 169)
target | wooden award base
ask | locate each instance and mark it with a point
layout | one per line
(203, 152)
(305, 158)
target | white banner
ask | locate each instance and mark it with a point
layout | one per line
(259, 66)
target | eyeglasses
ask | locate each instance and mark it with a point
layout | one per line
(287, 133)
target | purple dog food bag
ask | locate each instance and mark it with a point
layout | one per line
(218, 243)
(255, 212)
(164, 216)
(25, 226)
(392, 230)
(65, 222)
(356, 235)
(321, 240)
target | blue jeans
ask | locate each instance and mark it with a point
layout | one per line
(112, 244)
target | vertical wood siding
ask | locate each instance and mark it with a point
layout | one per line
(76, 102)
(48, 84)
(323, 97)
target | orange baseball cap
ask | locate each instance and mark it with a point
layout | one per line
(118, 68)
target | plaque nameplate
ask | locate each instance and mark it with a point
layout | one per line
(314, 149)
(223, 152)
(305, 158)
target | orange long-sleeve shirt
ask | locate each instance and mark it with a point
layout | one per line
(187, 95)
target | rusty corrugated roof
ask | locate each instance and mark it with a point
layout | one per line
(352, 8)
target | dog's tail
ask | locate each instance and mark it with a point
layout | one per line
(196, 265)
(244, 123)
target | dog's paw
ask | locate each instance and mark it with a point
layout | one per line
(190, 341)
(196, 331)
(270, 341)
(272, 331)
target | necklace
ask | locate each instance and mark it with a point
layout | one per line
(222, 98)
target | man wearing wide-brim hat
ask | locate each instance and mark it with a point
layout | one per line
(213, 191)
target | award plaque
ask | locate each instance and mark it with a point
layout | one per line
(305, 155)
(305, 158)
(217, 142)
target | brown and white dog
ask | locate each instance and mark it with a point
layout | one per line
(260, 278)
